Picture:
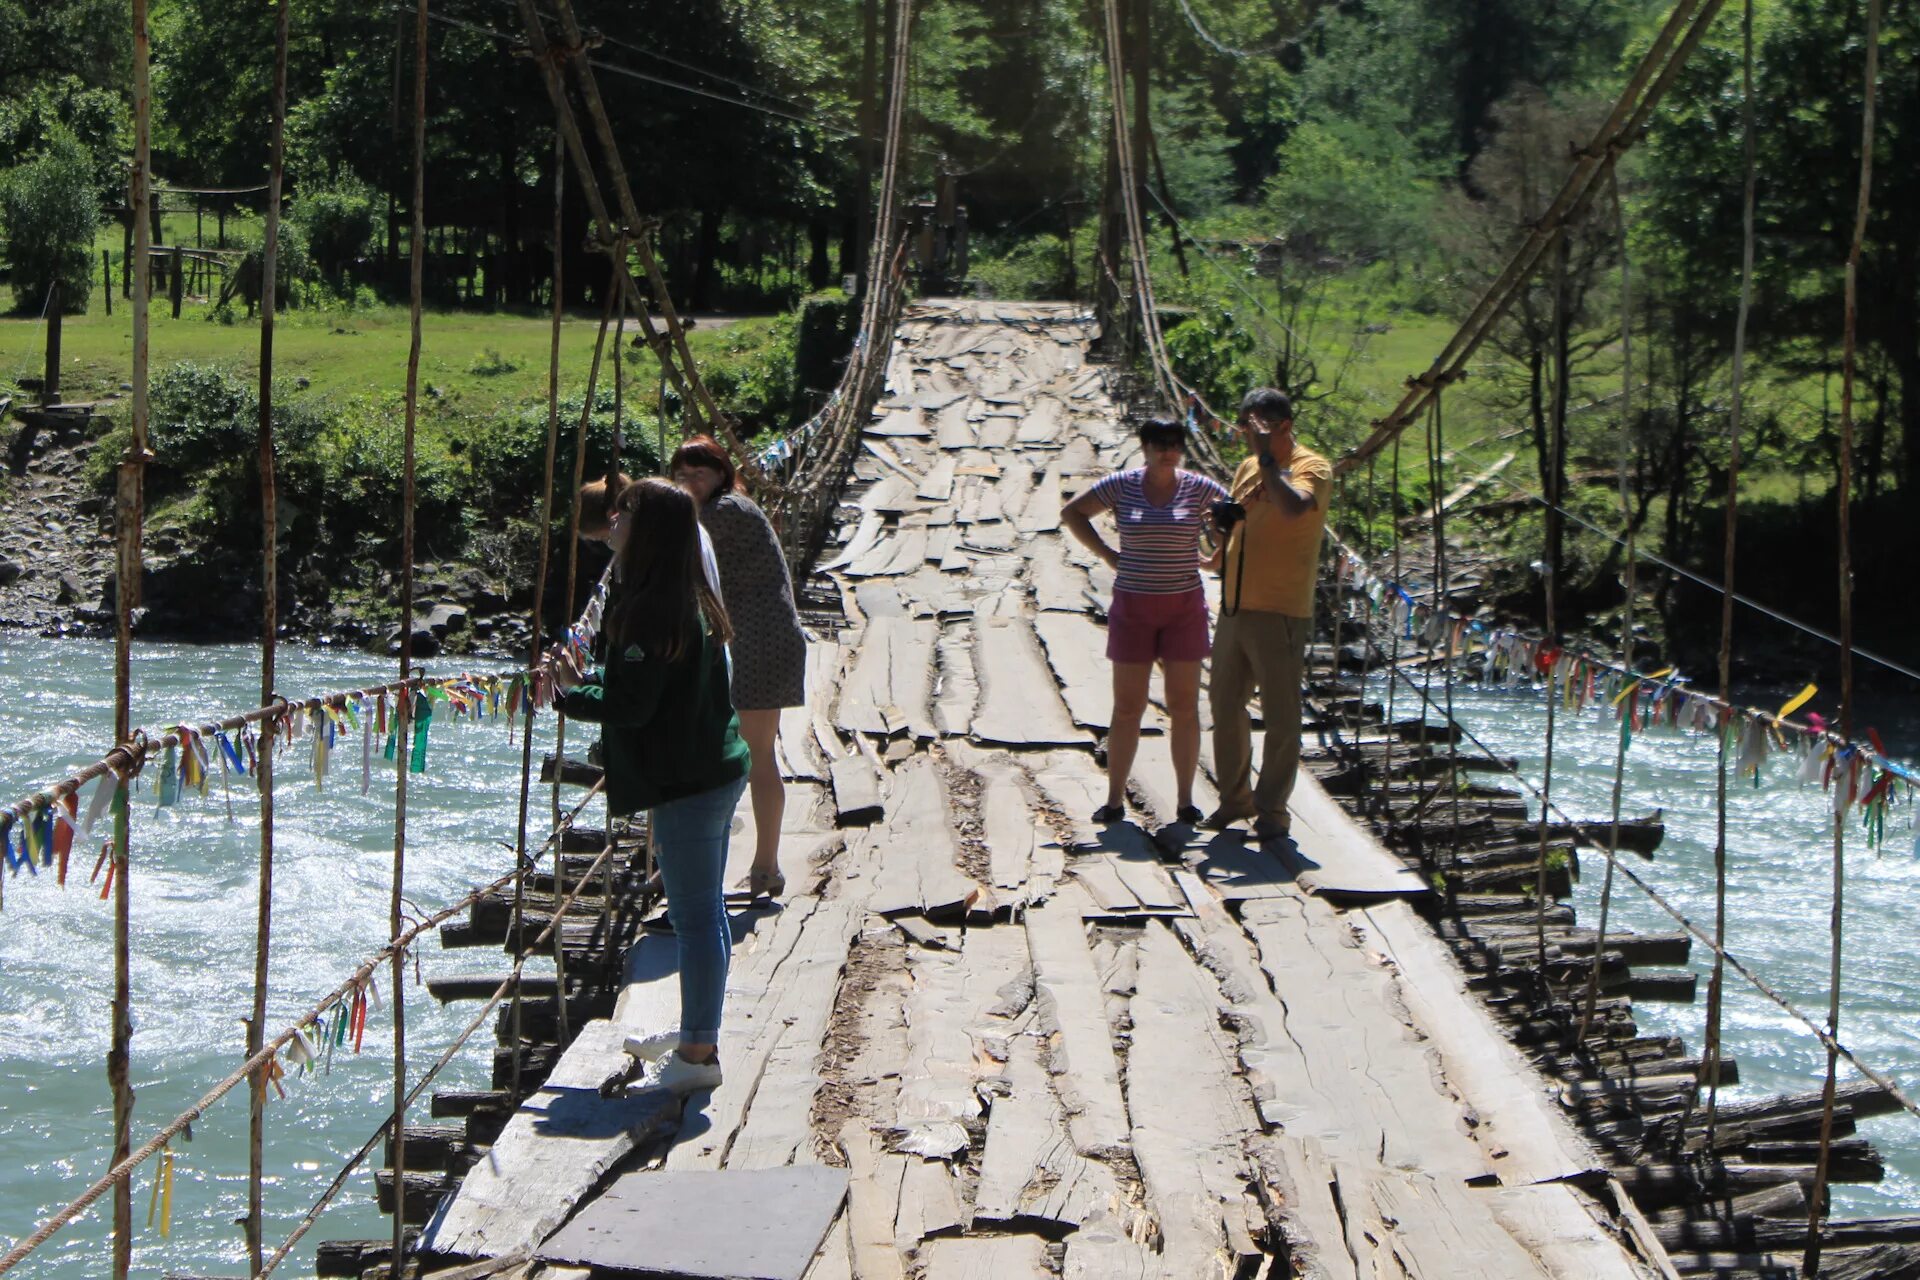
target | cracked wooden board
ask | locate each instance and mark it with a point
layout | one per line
(1072, 1012)
(888, 687)
(1020, 705)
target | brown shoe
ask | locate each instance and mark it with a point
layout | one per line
(1222, 818)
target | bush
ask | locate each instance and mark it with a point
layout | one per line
(1216, 352)
(48, 213)
(338, 226)
(1033, 268)
(488, 363)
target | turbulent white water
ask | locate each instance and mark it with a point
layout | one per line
(1779, 899)
(193, 905)
(193, 912)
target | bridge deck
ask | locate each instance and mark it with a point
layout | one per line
(1037, 1047)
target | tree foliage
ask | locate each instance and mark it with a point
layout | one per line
(48, 211)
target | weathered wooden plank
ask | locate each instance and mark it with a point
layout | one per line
(1552, 1222)
(958, 692)
(1058, 584)
(1526, 1138)
(919, 867)
(552, 1153)
(865, 535)
(1075, 646)
(1365, 1087)
(1019, 703)
(1336, 855)
(1044, 422)
(873, 1203)
(1072, 1010)
(929, 1205)
(856, 789)
(1010, 831)
(937, 484)
(889, 687)
(987, 1258)
(937, 1094)
(1189, 1124)
(1030, 1169)
(1041, 513)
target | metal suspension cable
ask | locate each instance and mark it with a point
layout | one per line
(646, 77)
(1652, 76)
(1208, 38)
(1556, 463)
(1595, 837)
(1653, 558)
(1817, 1208)
(1130, 203)
(173, 1128)
(269, 627)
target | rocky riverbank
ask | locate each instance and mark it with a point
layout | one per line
(57, 572)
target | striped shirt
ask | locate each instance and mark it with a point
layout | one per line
(1159, 545)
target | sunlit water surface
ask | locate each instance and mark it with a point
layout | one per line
(1779, 900)
(194, 887)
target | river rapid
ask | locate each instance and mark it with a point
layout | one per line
(194, 888)
(1779, 901)
(194, 900)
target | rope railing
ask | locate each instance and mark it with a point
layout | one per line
(1595, 834)
(510, 985)
(353, 983)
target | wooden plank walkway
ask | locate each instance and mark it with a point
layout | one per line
(1038, 1047)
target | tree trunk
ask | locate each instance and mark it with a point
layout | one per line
(819, 267)
(56, 307)
(706, 261)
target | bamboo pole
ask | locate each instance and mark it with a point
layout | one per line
(1817, 1207)
(403, 754)
(1716, 986)
(128, 506)
(269, 626)
(539, 585)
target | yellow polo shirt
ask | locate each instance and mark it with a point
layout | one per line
(1282, 550)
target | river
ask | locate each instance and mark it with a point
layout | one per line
(1779, 899)
(193, 906)
(193, 911)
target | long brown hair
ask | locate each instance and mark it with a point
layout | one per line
(663, 591)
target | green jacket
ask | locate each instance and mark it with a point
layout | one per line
(670, 730)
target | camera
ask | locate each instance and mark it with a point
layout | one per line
(1226, 514)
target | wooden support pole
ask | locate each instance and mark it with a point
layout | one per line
(269, 628)
(403, 752)
(106, 278)
(56, 307)
(129, 503)
(1843, 502)
(176, 280)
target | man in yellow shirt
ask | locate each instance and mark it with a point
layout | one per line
(1266, 613)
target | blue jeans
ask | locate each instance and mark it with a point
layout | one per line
(690, 840)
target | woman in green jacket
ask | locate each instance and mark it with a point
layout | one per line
(673, 747)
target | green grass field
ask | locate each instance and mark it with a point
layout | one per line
(480, 362)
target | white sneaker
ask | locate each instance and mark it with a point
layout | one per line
(682, 1077)
(654, 1047)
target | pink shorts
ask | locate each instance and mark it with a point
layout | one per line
(1173, 628)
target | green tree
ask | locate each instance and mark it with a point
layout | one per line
(48, 213)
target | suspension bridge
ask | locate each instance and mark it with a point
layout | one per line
(985, 1037)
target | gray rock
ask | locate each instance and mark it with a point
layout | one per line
(8, 571)
(446, 617)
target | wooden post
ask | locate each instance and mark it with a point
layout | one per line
(199, 221)
(1139, 58)
(106, 278)
(402, 755)
(126, 259)
(220, 221)
(127, 546)
(176, 281)
(269, 627)
(50, 388)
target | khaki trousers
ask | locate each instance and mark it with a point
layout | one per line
(1264, 653)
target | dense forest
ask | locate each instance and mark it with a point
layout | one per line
(1331, 184)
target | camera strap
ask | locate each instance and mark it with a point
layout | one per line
(1239, 577)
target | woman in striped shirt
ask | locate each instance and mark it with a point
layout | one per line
(1159, 612)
